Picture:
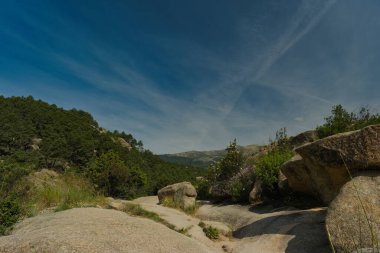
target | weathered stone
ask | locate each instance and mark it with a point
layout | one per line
(182, 194)
(256, 192)
(124, 143)
(95, 230)
(283, 184)
(346, 221)
(328, 160)
(219, 191)
(36, 142)
(297, 174)
(303, 138)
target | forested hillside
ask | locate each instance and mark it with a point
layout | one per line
(35, 135)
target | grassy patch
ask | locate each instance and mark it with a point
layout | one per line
(68, 192)
(169, 202)
(137, 210)
(211, 232)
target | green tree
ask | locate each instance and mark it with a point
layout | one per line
(231, 162)
(341, 121)
(268, 167)
(107, 172)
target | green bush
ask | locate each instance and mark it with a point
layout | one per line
(202, 187)
(268, 167)
(10, 212)
(211, 232)
(240, 187)
(231, 162)
(10, 174)
(341, 121)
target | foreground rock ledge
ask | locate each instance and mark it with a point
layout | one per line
(95, 230)
(349, 226)
(325, 170)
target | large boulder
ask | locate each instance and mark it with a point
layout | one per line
(303, 138)
(95, 230)
(181, 194)
(354, 215)
(328, 160)
(297, 174)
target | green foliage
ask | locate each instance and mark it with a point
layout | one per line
(10, 212)
(137, 210)
(113, 177)
(230, 176)
(107, 172)
(213, 172)
(240, 187)
(231, 162)
(211, 232)
(202, 187)
(341, 120)
(61, 192)
(10, 174)
(35, 134)
(268, 167)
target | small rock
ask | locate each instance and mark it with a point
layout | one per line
(227, 248)
(255, 194)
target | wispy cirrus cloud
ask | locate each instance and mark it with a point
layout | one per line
(282, 66)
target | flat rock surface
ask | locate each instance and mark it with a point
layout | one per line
(268, 230)
(262, 229)
(95, 230)
(255, 230)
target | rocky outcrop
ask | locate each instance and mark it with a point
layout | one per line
(182, 194)
(36, 142)
(349, 227)
(303, 138)
(95, 230)
(124, 143)
(256, 192)
(225, 189)
(298, 175)
(283, 184)
(327, 160)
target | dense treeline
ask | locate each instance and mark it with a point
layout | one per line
(35, 135)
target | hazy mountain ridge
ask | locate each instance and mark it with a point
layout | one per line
(204, 158)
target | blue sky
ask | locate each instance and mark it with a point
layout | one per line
(194, 75)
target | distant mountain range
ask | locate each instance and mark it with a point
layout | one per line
(203, 159)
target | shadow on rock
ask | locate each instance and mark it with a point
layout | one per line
(307, 227)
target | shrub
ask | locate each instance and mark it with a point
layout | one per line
(231, 162)
(240, 187)
(341, 120)
(10, 174)
(268, 167)
(202, 187)
(211, 232)
(10, 212)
